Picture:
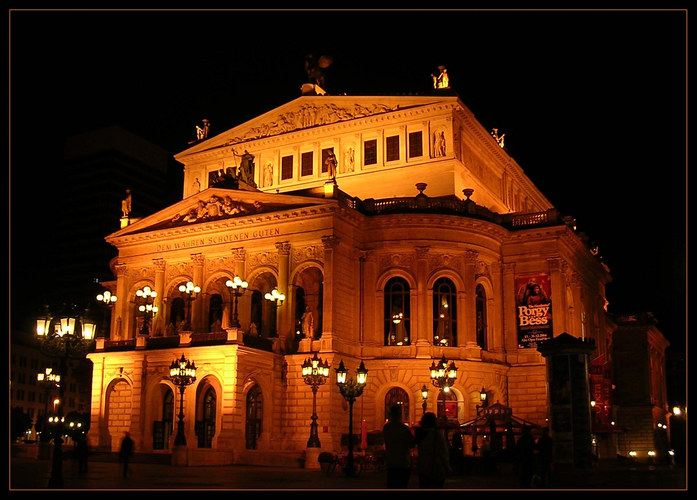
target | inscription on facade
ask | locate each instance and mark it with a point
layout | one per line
(218, 239)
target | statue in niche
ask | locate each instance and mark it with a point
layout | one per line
(349, 156)
(268, 175)
(196, 185)
(439, 144)
(442, 81)
(308, 323)
(331, 164)
(126, 205)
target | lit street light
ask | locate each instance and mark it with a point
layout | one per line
(190, 292)
(315, 373)
(63, 337)
(443, 376)
(350, 390)
(182, 373)
(146, 298)
(237, 287)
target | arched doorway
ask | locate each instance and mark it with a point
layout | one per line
(254, 414)
(397, 396)
(162, 429)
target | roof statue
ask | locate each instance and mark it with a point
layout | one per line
(442, 81)
(498, 138)
(316, 76)
(202, 132)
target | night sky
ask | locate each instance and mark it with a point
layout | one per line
(593, 105)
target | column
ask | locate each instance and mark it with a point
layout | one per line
(470, 309)
(197, 311)
(420, 324)
(494, 313)
(330, 244)
(122, 304)
(284, 313)
(158, 323)
(510, 324)
(576, 317)
(243, 303)
(557, 284)
(372, 329)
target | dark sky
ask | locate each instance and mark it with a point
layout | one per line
(593, 104)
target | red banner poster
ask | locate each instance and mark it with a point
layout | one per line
(533, 309)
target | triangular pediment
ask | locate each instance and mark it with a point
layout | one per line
(308, 112)
(217, 204)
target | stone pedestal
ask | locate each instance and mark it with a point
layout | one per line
(311, 455)
(180, 456)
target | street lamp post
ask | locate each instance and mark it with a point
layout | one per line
(483, 400)
(276, 298)
(47, 381)
(191, 292)
(315, 373)
(182, 373)
(108, 300)
(424, 398)
(146, 297)
(237, 287)
(350, 390)
(63, 337)
(443, 376)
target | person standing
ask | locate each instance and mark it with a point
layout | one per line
(81, 452)
(434, 456)
(125, 452)
(525, 449)
(398, 444)
(545, 455)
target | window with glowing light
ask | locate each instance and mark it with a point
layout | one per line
(397, 312)
(444, 313)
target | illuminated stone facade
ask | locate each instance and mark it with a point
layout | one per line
(417, 250)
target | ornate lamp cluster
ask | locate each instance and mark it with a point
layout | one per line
(182, 373)
(315, 373)
(237, 287)
(443, 376)
(350, 390)
(146, 298)
(191, 292)
(275, 296)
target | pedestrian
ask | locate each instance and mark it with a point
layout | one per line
(125, 452)
(434, 456)
(399, 442)
(525, 448)
(81, 452)
(545, 456)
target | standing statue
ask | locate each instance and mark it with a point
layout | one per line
(202, 132)
(442, 81)
(308, 323)
(498, 138)
(331, 164)
(126, 205)
(245, 172)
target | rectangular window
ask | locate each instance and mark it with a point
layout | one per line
(416, 147)
(325, 154)
(306, 163)
(392, 148)
(286, 167)
(370, 152)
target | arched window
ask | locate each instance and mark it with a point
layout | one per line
(205, 428)
(397, 312)
(215, 313)
(444, 313)
(481, 317)
(177, 315)
(397, 396)
(254, 411)
(447, 409)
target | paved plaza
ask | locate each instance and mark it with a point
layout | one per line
(28, 474)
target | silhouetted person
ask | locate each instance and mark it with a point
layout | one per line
(525, 449)
(545, 456)
(125, 452)
(398, 444)
(434, 456)
(81, 453)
